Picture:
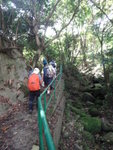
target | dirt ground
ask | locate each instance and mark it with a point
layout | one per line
(19, 130)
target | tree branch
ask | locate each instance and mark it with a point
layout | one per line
(16, 34)
(49, 16)
(51, 13)
(57, 35)
(102, 11)
(4, 50)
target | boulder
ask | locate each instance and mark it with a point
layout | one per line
(91, 124)
(98, 90)
(88, 137)
(35, 147)
(88, 103)
(77, 147)
(106, 126)
(88, 97)
(94, 112)
(108, 138)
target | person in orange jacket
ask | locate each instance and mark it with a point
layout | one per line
(34, 83)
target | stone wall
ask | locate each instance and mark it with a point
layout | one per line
(57, 131)
(12, 75)
(60, 110)
(12, 68)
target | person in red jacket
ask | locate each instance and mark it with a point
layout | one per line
(34, 83)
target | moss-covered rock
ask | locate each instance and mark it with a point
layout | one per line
(78, 104)
(85, 146)
(109, 99)
(88, 137)
(98, 90)
(89, 104)
(80, 112)
(93, 111)
(91, 124)
(108, 138)
(98, 101)
(106, 126)
(88, 97)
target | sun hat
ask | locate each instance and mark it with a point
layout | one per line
(36, 71)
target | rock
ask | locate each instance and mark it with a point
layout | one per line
(98, 86)
(108, 138)
(88, 103)
(91, 124)
(77, 147)
(21, 97)
(75, 84)
(98, 102)
(88, 137)
(109, 98)
(88, 97)
(78, 104)
(98, 90)
(66, 134)
(35, 147)
(94, 112)
(79, 112)
(106, 126)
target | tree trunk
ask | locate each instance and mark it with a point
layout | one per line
(103, 63)
(39, 48)
(36, 57)
(2, 19)
(83, 49)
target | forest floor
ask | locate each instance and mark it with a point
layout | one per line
(72, 137)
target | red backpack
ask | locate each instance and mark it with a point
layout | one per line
(33, 82)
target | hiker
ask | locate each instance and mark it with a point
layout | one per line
(44, 77)
(47, 74)
(30, 72)
(34, 83)
(53, 63)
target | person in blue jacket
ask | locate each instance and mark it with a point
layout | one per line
(47, 74)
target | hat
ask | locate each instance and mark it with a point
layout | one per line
(36, 71)
(44, 62)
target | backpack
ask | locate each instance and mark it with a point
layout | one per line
(53, 63)
(33, 82)
(49, 71)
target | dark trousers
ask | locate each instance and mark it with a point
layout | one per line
(32, 96)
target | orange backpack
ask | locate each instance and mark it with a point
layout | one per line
(33, 82)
